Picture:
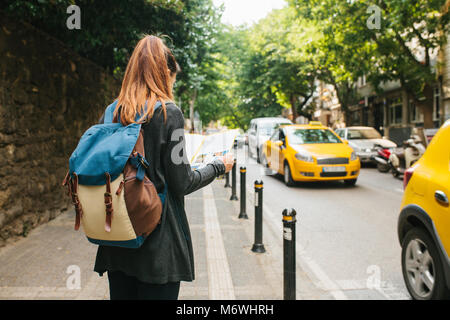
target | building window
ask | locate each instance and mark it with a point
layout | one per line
(362, 81)
(436, 104)
(396, 110)
(415, 113)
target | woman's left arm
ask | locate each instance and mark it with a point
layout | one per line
(181, 179)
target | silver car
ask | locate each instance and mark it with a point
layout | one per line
(363, 140)
(260, 130)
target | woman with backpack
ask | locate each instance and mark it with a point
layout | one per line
(154, 270)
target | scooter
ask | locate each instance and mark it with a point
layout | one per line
(402, 159)
(382, 158)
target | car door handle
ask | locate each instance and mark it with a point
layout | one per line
(441, 198)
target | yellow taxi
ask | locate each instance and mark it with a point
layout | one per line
(424, 221)
(310, 153)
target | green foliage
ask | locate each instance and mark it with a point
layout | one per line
(109, 29)
(262, 69)
(197, 57)
(400, 49)
(236, 74)
(282, 39)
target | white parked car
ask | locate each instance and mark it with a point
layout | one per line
(364, 140)
(260, 130)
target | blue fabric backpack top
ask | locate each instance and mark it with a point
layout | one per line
(115, 201)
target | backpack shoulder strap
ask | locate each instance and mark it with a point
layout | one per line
(109, 112)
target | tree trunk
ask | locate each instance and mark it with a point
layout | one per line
(294, 110)
(191, 109)
(347, 115)
(301, 112)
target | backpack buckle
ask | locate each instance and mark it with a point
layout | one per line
(143, 162)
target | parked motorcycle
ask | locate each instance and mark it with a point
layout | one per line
(382, 158)
(402, 159)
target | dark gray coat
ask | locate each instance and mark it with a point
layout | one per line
(167, 254)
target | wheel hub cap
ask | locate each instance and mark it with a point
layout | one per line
(419, 268)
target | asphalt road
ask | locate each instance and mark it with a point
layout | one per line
(346, 236)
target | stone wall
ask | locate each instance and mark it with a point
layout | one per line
(49, 96)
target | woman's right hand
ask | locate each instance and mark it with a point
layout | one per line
(228, 161)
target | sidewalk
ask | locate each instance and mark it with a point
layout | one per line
(47, 263)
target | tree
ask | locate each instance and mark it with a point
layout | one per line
(109, 29)
(201, 33)
(282, 39)
(218, 97)
(236, 88)
(401, 48)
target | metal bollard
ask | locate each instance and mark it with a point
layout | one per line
(243, 213)
(258, 246)
(233, 182)
(289, 221)
(227, 180)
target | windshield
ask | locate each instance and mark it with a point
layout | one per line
(368, 133)
(268, 129)
(311, 136)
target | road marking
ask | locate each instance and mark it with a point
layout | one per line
(385, 288)
(220, 284)
(324, 282)
(335, 288)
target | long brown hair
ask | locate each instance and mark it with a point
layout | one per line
(147, 80)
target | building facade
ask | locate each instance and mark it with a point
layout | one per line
(445, 80)
(393, 112)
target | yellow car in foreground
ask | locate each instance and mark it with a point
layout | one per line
(424, 221)
(310, 153)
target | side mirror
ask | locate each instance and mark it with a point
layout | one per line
(345, 141)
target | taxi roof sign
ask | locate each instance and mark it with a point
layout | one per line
(315, 123)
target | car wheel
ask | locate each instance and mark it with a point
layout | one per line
(288, 176)
(264, 161)
(395, 173)
(422, 268)
(350, 182)
(250, 154)
(383, 167)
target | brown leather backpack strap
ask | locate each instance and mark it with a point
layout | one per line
(108, 203)
(73, 189)
(66, 179)
(66, 182)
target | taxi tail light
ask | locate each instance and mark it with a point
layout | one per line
(407, 176)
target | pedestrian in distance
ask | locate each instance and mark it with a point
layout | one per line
(155, 270)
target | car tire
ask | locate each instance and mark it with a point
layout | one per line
(287, 176)
(264, 161)
(395, 173)
(250, 154)
(350, 182)
(383, 167)
(420, 258)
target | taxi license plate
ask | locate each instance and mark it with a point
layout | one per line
(333, 169)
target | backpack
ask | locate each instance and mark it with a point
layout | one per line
(115, 201)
